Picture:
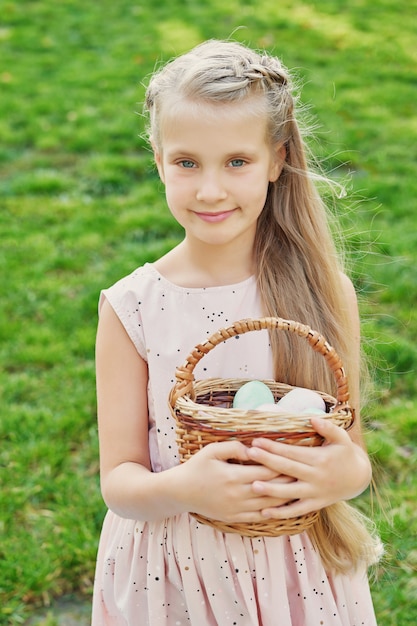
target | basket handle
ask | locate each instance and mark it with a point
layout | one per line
(184, 373)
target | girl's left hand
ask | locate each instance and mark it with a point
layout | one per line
(338, 470)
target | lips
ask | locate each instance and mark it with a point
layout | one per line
(220, 216)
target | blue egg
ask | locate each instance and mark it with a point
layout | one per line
(253, 394)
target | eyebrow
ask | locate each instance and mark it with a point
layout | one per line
(178, 152)
(239, 152)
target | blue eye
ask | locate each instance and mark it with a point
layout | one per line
(187, 164)
(237, 162)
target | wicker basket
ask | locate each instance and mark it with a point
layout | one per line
(204, 414)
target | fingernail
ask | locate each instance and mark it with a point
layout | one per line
(257, 486)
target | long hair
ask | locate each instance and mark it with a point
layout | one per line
(297, 265)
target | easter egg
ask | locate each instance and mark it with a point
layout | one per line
(299, 399)
(313, 411)
(251, 395)
(268, 407)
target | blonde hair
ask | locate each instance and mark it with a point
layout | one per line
(297, 264)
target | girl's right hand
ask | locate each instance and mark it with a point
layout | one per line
(213, 486)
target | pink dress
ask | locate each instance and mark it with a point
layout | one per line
(178, 571)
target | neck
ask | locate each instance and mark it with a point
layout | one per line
(202, 265)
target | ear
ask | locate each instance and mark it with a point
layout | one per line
(279, 154)
(158, 160)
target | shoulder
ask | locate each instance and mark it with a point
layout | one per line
(350, 303)
(120, 304)
(130, 287)
(346, 285)
(139, 276)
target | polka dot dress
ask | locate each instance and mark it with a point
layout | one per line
(178, 572)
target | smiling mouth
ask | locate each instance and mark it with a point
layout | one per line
(220, 216)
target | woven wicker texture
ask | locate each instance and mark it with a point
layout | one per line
(204, 412)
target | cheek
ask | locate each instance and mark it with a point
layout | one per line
(173, 190)
(177, 185)
(177, 198)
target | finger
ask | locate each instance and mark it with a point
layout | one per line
(236, 451)
(292, 509)
(250, 508)
(302, 454)
(250, 473)
(328, 430)
(293, 463)
(307, 455)
(260, 503)
(248, 517)
(229, 451)
(288, 492)
(281, 479)
(226, 450)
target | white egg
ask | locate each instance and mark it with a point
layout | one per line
(299, 399)
(268, 408)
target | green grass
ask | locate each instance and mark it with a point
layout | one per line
(81, 206)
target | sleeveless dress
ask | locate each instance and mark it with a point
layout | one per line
(177, 571)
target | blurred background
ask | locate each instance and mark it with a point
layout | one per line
(81, 206)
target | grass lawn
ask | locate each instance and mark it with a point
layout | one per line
(81, 206)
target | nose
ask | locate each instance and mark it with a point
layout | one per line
(210, 188)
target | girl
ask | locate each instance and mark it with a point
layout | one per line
(229, 151)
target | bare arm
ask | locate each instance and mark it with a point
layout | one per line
(353, 314)
(205, 484)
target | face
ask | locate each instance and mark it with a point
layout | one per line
(216, 164)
